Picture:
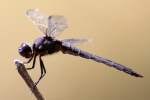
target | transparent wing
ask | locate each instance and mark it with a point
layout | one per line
(39, 19)
(74, 42)
(49, 25)
(56, 24)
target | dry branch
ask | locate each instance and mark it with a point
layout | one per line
(28, 80)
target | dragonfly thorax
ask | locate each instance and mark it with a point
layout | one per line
(46, 45)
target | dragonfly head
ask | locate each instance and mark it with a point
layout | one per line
(25, 50)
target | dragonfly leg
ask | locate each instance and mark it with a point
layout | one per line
(43, 70)
(34, 60)
(26, 62)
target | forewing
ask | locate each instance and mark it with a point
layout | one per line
(56, 25)
(39, 19)
(74, 42)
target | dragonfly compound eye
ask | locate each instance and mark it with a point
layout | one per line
(25, 50)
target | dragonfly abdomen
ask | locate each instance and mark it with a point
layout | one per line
(68, 49)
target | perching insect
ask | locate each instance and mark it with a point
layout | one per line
(51, 26)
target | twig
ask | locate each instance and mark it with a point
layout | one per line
(24, 74)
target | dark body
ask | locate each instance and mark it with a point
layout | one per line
(46, 45)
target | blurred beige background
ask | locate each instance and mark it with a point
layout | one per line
(120, 30)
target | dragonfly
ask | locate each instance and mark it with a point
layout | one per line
(51, 27)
